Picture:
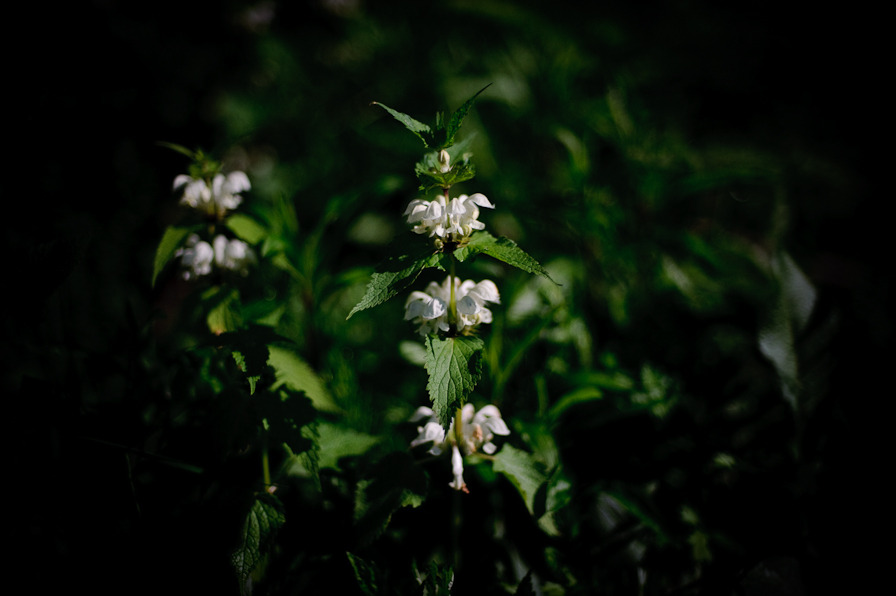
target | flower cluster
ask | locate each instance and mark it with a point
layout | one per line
(447, 220)
(476, 434)
(432, 309)
(198, 256)
(216, 199)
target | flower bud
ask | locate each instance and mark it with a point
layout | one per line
(445, 161)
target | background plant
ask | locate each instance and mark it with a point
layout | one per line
(701, 379)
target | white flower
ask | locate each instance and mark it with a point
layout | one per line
(429, 309)
(450, 221)
(233, 254)
(198, 256)
(217, 199)
(477, 431)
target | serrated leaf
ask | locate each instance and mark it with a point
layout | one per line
(171, 241)
(296, 374)
(260, 527)
(457, 118)
(454, 365)
(393, 277)
(503, 249)
(423, 131)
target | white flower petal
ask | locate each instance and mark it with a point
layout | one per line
(480, 199)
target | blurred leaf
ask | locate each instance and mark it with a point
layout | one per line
(437, 581)
(365, 574)
(265, 518)
(454, 365)
(392, 277)
(296, 374)
(246, 228)
(336, 442)
(574, 397)
(225, 315)
(171, 241)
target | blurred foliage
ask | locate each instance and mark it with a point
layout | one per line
(695, 394)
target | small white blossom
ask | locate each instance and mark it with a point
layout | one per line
(198, 256)
(447, 221)
(478, 428)
(233, 254)
(215, 200)
(429, 309)
(444, 162)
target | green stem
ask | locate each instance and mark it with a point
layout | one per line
(265, 457)
(452, 301)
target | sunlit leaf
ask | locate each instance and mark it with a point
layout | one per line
(503, 249)
(394, 277)
(454, 365)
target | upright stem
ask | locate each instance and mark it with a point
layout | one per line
(265, 458)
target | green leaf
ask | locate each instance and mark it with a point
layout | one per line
(246, 228)
(415, 126)
(365, 574)
(171, 241)
(430, 177)
(336, 442)
(225, 315)
(524, 471)
(265, 518)
(457, 118)
(503, 249)
(454, 365)
(294, 373)
(393, 277)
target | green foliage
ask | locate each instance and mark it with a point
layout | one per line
(264, 520)
(441, 135)
(502, 249)
(365, 575)
(393, 277)
(682, 407)
(454, 365)
(172, 239)
(294, 373)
